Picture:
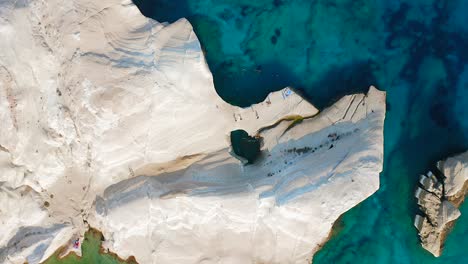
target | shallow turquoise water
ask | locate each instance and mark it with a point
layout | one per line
(415, 50)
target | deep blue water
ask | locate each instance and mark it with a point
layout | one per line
(416, 50)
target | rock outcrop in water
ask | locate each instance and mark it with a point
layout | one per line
(111, 119)
(439, 197)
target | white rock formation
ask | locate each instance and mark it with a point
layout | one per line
(111, 118)
(439, 199)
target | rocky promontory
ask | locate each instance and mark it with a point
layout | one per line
(440, 194)
(111, 120)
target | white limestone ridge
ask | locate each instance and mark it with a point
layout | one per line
(111, 119)
(439, 199)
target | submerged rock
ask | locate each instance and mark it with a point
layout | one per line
(439, 199)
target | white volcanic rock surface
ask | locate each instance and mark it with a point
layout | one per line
(111, 117)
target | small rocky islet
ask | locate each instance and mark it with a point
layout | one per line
(439, 196)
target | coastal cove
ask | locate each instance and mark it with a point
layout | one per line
(415, 50)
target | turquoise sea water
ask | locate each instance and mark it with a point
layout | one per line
(416, 50)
